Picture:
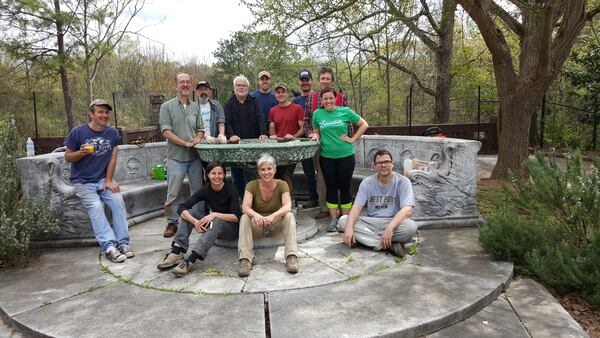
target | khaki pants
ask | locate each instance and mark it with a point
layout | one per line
(284, 227)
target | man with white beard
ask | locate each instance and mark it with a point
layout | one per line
(212, 114)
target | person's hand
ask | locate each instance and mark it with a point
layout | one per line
(349, 238)
(263, 137)
(113, 186)
(267, 220)
(85, 149)
(314, 137)
(221, 139)
(196, 140)
(199, 225)
(273, 136)
(386, 237)
(289, 137)
(234, 139)
(346, 138)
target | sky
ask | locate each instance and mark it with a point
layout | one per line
(176, 24)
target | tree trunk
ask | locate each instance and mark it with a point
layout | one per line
(443, 62)
(62, 68)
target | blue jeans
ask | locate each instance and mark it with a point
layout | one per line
(92, 196)
(176, 172)
(311, 179)
(241, 177)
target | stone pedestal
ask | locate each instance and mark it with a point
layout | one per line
(155, 101)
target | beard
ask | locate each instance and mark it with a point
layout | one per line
(203, 98)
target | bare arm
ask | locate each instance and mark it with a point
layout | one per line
(399, 218)
(221, 127)
(300, 131)
(286, 201)
(173, 138)
(349, 237)
(272, 130)
(72, 156)
(362, 128)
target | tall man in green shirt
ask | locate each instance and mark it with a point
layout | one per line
(181, 124)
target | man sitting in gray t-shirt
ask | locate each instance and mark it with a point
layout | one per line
(389, 200)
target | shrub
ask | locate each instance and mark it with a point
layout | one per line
(19, 220)
(550, 225)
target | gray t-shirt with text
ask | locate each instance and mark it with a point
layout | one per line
(386, 201)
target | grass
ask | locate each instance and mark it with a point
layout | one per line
(490, 195)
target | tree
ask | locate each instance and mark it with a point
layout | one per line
(546, 31)
(35, 31)
(98, 28)
(330, 20)
(248, 53)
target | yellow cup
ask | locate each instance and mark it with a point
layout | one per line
(88, 147)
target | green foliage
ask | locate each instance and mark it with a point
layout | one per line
(549, 225)
(19, 220)
(569, 268)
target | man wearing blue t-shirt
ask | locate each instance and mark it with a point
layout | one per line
(92, 151)
(389, 200)
(265, 95)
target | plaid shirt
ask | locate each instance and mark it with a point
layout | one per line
(314, 102)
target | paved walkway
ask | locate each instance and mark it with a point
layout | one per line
(448, 288)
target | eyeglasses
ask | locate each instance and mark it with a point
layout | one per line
(387, 162)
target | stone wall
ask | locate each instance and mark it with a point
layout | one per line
(445, 194)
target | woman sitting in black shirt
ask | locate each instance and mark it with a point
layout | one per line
(221, 222)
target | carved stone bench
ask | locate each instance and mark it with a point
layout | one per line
(48, 175)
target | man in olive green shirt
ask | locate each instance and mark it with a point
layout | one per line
(181, 124)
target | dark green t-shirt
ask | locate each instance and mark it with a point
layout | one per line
(332, 125)
(261, 206)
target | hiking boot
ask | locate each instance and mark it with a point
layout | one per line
(332, 225)
(310, 204)
(244, 268)
(183, 268)
(115, 256)
(397, 249)
(127, 251)
(170, 261)
(170, 230)
(291, 264)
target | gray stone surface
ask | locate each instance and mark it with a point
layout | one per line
(446, 195)
(541, 314)
(123, 310)
(406, 300)
(247, 152)
(496, 320)
(6, 331)
(54, 275)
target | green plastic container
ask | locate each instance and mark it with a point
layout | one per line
(159, 172)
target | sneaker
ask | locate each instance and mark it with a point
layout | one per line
(170, 230)
(244, 268)
(183, 268)
(291, 264)
(397, 249)
(332, 225)
(310, 204)
(127, 251)
(115, 256)
(170, 261)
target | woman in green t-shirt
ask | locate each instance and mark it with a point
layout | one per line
(330, 126)
(267, 208)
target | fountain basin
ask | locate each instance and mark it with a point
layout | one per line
(245, 153)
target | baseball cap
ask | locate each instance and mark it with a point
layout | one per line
(264, 73)
(203, 83)
(305, 74)
(100, 102)
(281, 85)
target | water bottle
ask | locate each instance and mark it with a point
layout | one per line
(30, 147)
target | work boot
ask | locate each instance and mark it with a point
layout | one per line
(170, 261)
(397, 249)
(183, 268)
(244, 268)
(170, 230)
(291, 264)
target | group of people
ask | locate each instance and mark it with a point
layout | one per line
(266, 202)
